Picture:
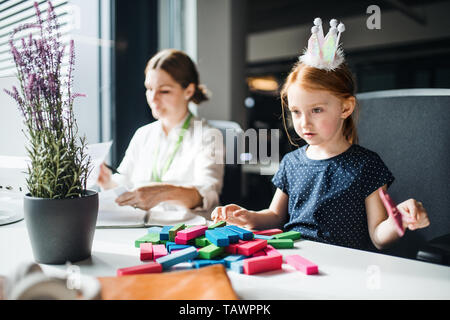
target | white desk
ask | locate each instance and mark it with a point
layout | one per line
(344, 273)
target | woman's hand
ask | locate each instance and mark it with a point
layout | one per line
(144, 198)
(414, 214)
(234, 214)
(104, 178)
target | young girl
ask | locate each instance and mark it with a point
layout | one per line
(327, 190)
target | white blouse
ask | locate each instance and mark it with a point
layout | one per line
(199, 162)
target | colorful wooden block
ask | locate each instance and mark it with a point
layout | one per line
(259, 253)
(204, 263)
(210, 251)
(217, 238)
(262, 264)
(218, 225)
(159, 250)
(258, 236)
(232, 248)
(302, 264)
(232, 258)
(192, 233)
(152, 267)
(150, 237)
(154, 230)
(164, 233)
(268, 232)
(177, 247)
(237, 266)
(146, 251)
(174, 230)
(281, 243)
(294, 235)
(271, 251)
(233, 237)
(177, 257)
(202, 242)
(243, 234)
(250, 247)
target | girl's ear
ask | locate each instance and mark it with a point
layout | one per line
(189, 91)
(348, 106)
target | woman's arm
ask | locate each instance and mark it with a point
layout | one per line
(382, 228)
(273, 217)
(149, 196)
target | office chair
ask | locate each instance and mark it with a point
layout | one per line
(410, 130)
(231, 190)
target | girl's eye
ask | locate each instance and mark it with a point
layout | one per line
(317, 110)
(296, 112)
(164, 91)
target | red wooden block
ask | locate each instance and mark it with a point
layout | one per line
(191, 233)
(259, 253)
(268, 232)
(250, 247)
(180, 241)
(146, 251)
(302, 264)
(232, 248)
(271, 251)
(152, 267)
(262, 264)
(159, 250)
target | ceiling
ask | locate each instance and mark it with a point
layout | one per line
(269, 15)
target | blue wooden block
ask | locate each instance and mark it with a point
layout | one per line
(237, 266)
(232, 235)
(204, 263)
(168, 244)
(243, 234)
(177, 247)
(177, 257)
(233, 258)
(164, 233)
(260, 236)
(154, 230)
(218, 238)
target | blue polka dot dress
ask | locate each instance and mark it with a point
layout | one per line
(327, 197)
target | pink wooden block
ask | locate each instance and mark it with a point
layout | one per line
(152, 267)
(268, 232)
(159, 250)
(271, 251)
(262, 264)
(250, 247)
(146, 251)
(179, 240)
(259, 253)
(192, 233)
(302, 264)
(232, 248)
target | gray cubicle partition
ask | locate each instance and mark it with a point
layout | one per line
(410, 130)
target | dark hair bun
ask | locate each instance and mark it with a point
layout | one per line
(201, 94)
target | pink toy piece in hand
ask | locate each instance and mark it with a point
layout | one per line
(392, 211)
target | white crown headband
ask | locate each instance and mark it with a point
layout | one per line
(324, 52)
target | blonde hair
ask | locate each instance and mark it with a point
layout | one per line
(339, 82)
(181, 68)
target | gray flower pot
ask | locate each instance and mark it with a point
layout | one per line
(61, 230)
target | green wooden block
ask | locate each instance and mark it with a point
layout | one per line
(281, 243)
(150, 237)
(218, 225)
(294, 235)
(209, 252)
(173, 231)
(202, 242)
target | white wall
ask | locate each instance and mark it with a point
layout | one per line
(396, 28)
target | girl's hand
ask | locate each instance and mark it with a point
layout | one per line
(104, 178)
(234, 214)
(414, 214)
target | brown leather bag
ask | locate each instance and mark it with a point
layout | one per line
(208, 283)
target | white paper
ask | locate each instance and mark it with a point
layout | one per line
(98, 153)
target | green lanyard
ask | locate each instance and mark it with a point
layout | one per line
(157, 177)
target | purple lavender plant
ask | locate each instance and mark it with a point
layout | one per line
(59, 163)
